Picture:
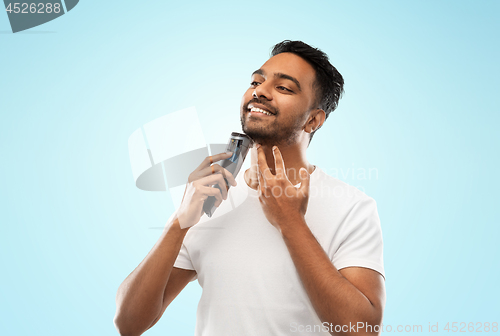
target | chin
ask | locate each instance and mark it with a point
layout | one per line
(266, 136)
(255, 135)
(262, 138)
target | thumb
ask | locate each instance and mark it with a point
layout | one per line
(304, 181)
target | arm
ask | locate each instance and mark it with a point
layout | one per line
(145, 294)
(148, 290)
(179, 278)
(340, 298)
(343, 297)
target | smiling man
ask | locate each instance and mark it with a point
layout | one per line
(302, 254)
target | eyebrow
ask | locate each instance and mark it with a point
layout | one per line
(279, 75)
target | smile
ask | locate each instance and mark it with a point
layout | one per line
(258, 110)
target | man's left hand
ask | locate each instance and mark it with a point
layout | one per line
(282, 203)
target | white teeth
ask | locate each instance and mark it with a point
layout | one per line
(256, 109)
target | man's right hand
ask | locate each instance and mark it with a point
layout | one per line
(200, 187)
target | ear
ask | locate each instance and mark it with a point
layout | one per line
(316, 119)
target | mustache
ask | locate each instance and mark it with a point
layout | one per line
(262, 102)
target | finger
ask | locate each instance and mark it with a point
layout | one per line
(279, 165)
(208, 191)
(227, 175)
(262, 184)
(213, 179)
(216, 179)
(261, 161)
(222, 185)
(213, 158)
(217, 168)
(305, 180)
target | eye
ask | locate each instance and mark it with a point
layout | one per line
(282, 88)
(254, 83)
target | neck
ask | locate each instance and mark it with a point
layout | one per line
(294, 158)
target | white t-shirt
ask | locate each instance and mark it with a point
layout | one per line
(250, 283)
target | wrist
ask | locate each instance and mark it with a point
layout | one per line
(292, 224)
(174, 229)
(176, 226)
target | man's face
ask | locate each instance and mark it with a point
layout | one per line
(284, 88)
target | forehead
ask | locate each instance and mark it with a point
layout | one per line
(292, 65)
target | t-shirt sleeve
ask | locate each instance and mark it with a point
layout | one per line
(361, 238)
(183, 260)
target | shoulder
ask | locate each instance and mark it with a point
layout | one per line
(327, 188)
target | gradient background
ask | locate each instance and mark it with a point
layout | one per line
(421, 106)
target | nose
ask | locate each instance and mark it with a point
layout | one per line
(263, 91)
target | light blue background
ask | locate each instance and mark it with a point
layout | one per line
(421, 106)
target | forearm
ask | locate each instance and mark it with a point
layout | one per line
(140, 297)
(334, 298)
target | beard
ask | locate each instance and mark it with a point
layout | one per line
(269, 133)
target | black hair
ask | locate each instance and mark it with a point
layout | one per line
(329, 84)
